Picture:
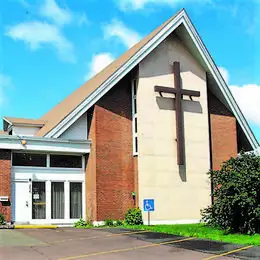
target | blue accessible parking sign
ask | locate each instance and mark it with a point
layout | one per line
(148, 205)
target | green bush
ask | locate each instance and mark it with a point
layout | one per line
(81, 223)
(2, 219)
(134, 217)
(109, 222)
(236, 207)
(119, 223)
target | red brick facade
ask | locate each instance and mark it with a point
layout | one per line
(111, 170)
(223, 132)
(5, 182)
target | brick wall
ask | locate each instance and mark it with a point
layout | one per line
(112, 170)
(223, 132)
(91, 195)
(5, 182)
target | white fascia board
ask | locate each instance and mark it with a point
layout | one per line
(181, 18)
(7, 121)
(116, 77)
(44, 145)
(220, 81)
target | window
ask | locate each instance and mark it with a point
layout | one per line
(38, 200)
(29, 159)
(134, 117)
(57, 200)
(75, 200)
(66, 161)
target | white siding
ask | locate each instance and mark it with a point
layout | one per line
(77, 131)
(25, 130)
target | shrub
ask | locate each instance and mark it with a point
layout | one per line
(134, 217)
(236, 207)
(81, 223)
(2, 219)
(119, 223)
(109, 222)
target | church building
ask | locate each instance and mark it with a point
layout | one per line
(148, 126)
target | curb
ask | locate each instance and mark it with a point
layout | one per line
(35, 226)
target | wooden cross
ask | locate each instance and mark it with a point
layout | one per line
(179, 93)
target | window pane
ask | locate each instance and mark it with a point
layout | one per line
(136, 145)
(38, 200)
(57, 200)
(135, 125)
(134, 87)
(29, 159)
(66, 161)
(75, 200)
(135, 106)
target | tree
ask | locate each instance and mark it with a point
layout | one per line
(236, 194)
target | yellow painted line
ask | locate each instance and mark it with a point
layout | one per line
(95, 237)
(34, 226)
(124, 249)
(128, 233)
(228, 253)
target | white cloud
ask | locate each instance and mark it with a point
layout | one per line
(224, 73)
(5, 82)
(247, 97)
(128, 5)
(37, 34)
(82, 19)
(60, 16)
(55, 13)
(118, 29)
(99, 62)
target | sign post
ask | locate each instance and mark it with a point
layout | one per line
(148, 206)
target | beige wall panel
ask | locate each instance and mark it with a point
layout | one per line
(179, 192)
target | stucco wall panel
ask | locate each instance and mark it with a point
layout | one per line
(179, 192)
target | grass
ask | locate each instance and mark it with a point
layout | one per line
(204, 232)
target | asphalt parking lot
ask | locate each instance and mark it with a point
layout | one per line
(114, 243)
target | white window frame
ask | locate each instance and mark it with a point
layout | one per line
(48, 161)
(134, 115)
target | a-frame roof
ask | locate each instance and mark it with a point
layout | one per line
(65, 107)
(70, 109)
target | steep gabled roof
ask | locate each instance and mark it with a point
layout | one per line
(65, 107)
(70, 109)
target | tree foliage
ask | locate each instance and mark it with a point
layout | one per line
(236, 193)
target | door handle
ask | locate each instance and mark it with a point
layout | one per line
(27, 204)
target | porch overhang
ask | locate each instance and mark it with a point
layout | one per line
(42, 144)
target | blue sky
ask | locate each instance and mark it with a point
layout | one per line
(48, 48)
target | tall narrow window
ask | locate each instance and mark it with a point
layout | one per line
(134, 117)
(75, 200)
(57, 200)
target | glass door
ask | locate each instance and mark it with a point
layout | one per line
(38, 200)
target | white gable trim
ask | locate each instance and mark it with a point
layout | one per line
(181, 18)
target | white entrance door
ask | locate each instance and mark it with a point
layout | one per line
(20, 201)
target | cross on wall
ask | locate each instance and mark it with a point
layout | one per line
(179, 93)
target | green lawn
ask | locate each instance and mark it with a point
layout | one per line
(202, 231)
